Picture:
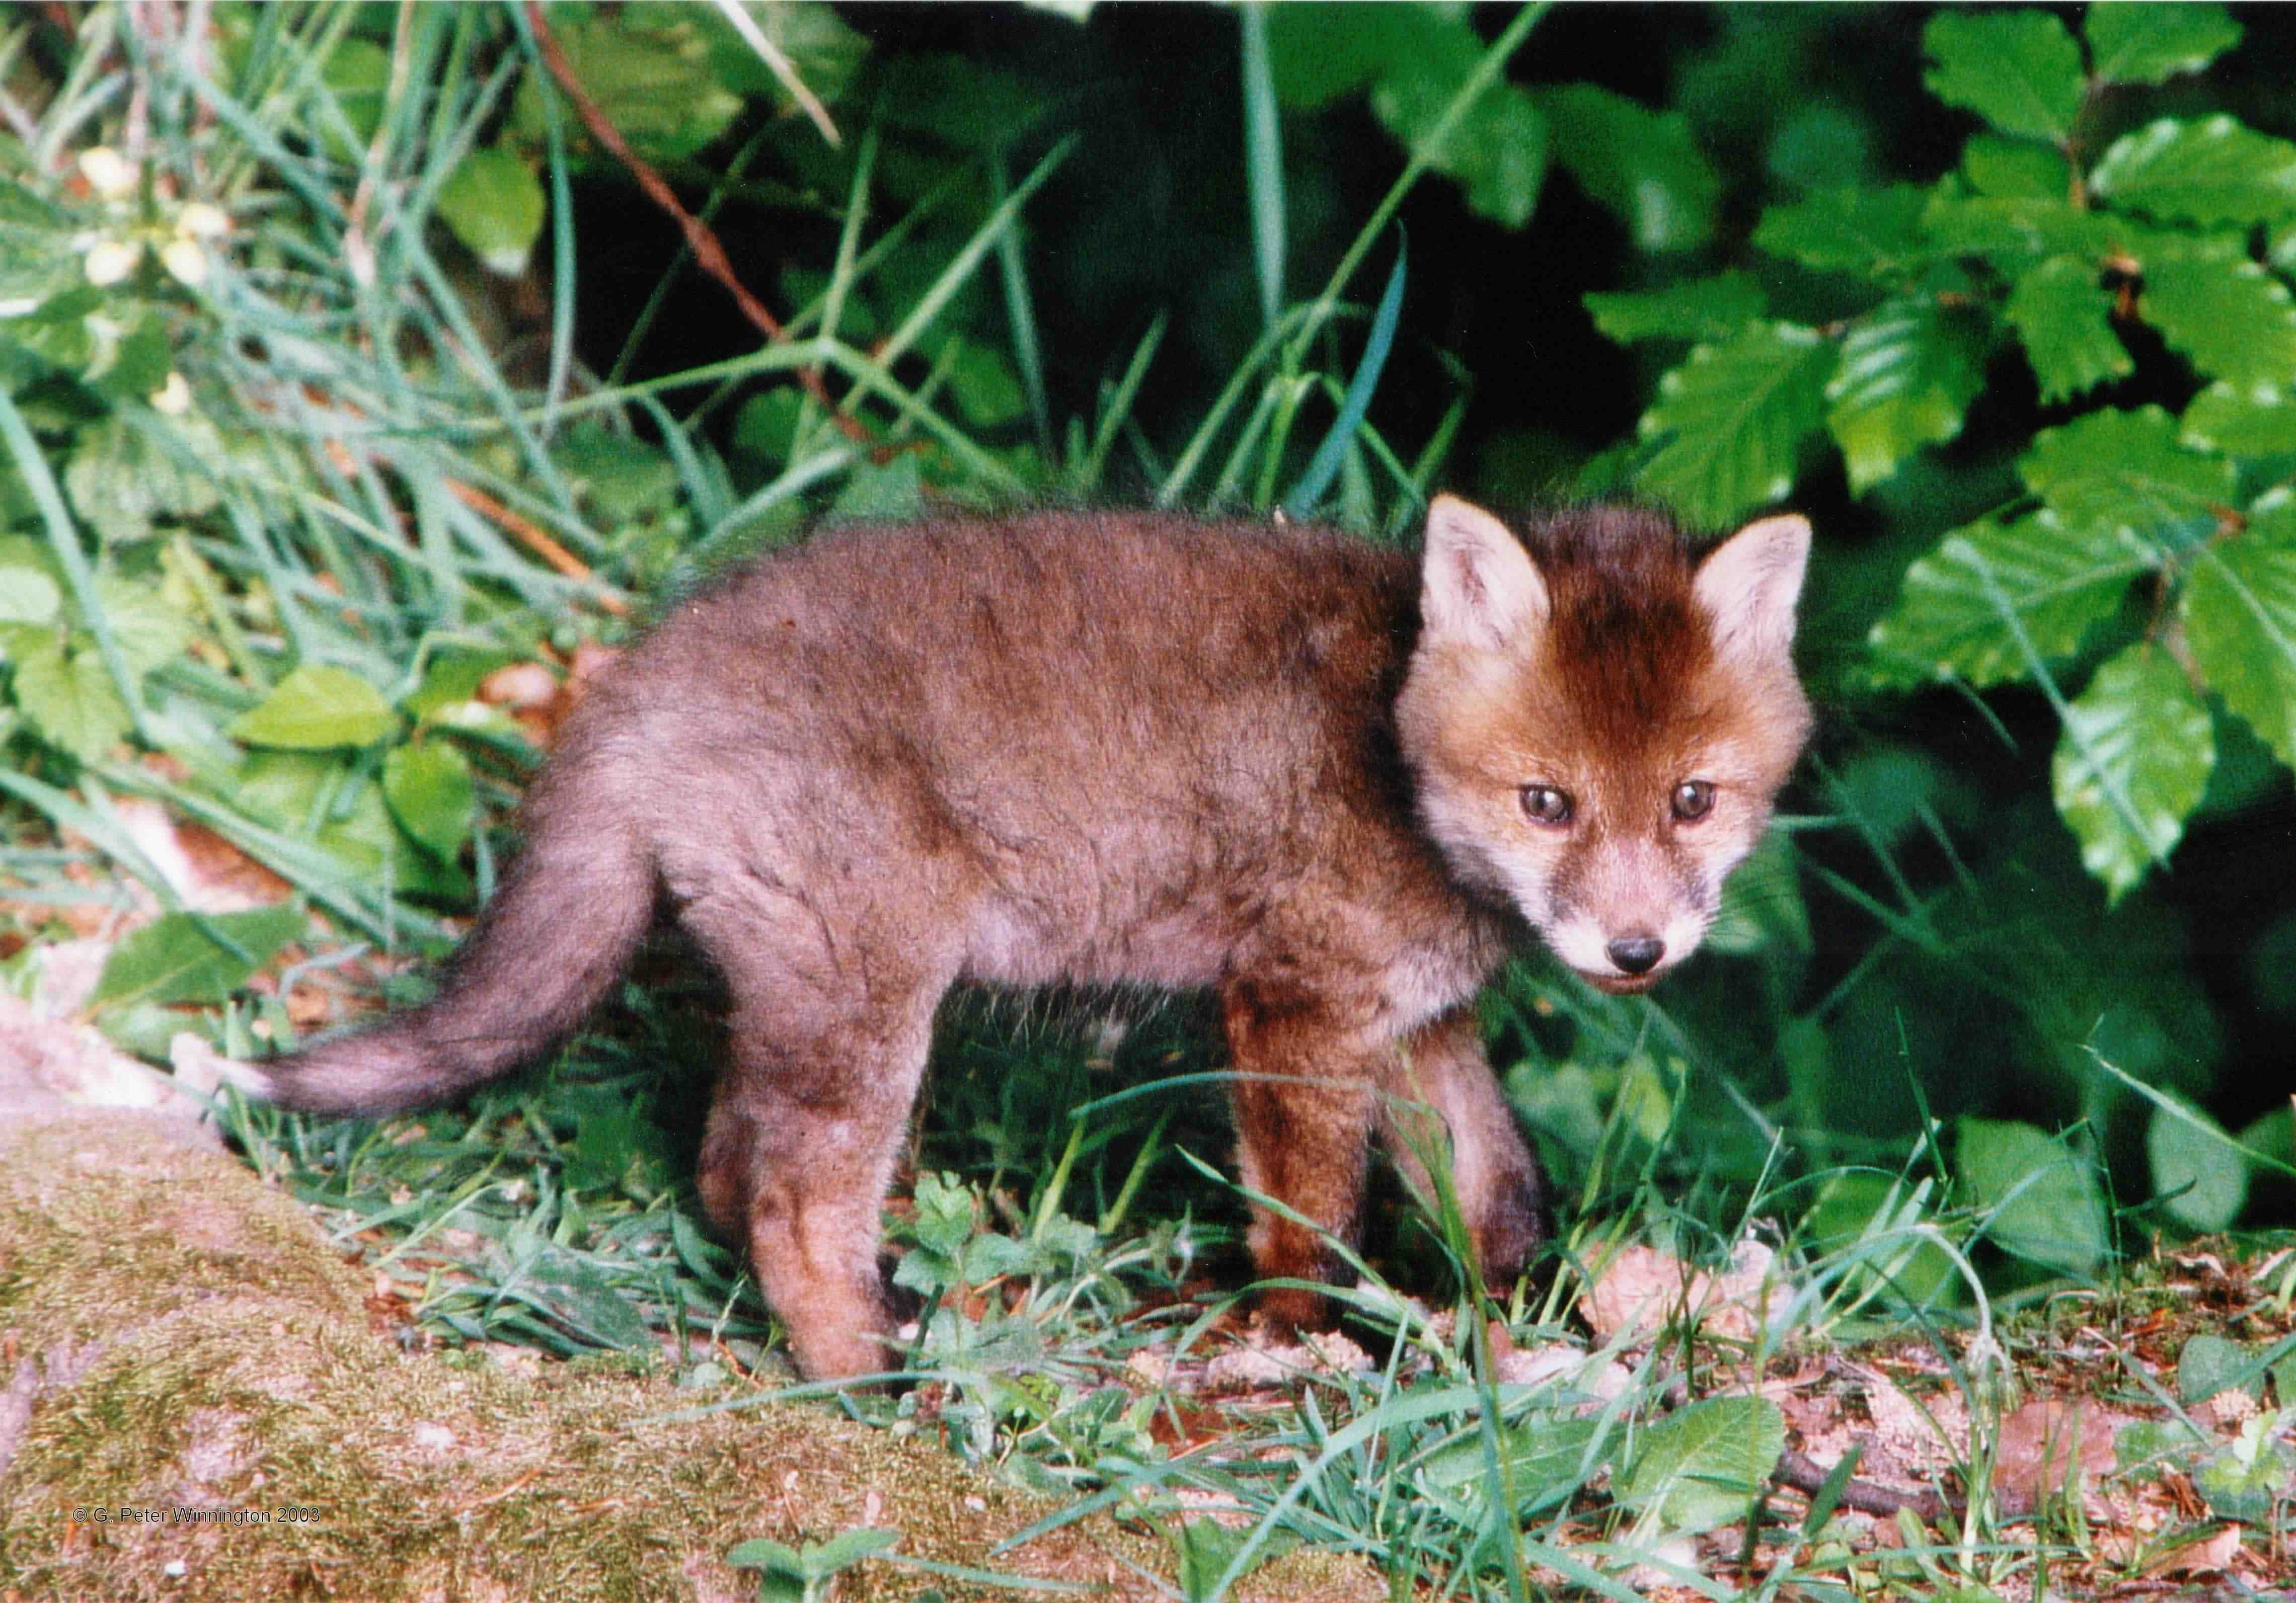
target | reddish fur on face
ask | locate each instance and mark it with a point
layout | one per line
(1097, 747)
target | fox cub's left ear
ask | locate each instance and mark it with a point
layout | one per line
(1750, 582)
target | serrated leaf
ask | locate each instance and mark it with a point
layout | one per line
(1701, 308)
(2250, 1488)
(2012, 226)
(69, 695)
(2225, 312)
(2018, 70)
(1644, 166)
(2048, 1209)
(317, 707)
(177, 957)
(650, 73)
(2132, 41)
(2202, 1182)
(2223, 418)
(2206, 172)
(27, 596)
(1703, 1466)
(1993, 596)
(1908, 371)
(1868, 231)
(1738, 410)
(2124, 471)
(431, 795)
(493, 202)
(1498, 148)
(2015, 168)
(120, 480)
(2062, 317)
(2131, 765)
(2239, 610)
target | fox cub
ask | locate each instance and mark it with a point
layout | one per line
(1335, 783)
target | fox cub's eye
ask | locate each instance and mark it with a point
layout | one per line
(1694, 799)
(1544, 804)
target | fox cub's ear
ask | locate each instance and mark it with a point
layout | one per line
(1749, 585)
(1480, 586)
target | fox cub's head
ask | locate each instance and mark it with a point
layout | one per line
(1597, 720)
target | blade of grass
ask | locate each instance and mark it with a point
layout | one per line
(1301, 501)
(1263, 145)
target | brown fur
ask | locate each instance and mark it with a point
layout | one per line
(1107, 747)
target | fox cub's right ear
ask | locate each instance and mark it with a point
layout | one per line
(1478, 587)
(1750, 582)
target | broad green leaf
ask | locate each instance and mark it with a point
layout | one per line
(317, 707)
(1737, 412)
(2223, 418)
(823, 52)
(2248, 1481)
(356, 73)
(2124, 471)
(1703, 1466)
(2049, 1211)
(1496, 151)
(2131, 765)
(1541, 1451)
(69, 695)
(2206, 172)
(431, 795)
(2015, 168)
(2208, 1364)
(177, 958)
(890, 491)
(1993, 596)
(151, 629)
(120, 480)
(2239, 609)
(493, 204)
(618, 476)
(2225, 312)
(27, 596)
(1909, 369)
(2204, 1183)
(2062, 317)
(649, 71)
(2018, 70)
(1320, 53)
(1866, 231)
(986, 390)
(284, 788)
(1699, 308)
(2005, 226)
(2134, 42)
(1644, 166)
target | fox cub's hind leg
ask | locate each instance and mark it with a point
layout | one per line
(1443, 1075)
(1305, 1105)
(807, 1128)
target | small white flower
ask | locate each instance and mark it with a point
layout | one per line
(173, 398)
(202, 221)
(186, 259)
(108, 261)
(108, 173)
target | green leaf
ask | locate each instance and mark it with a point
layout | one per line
(317, 707)
(2209, 1364)
(120, 480)
(2049, 1210)
(2208, 172)
(1703, 1466)
(2203, 1181)
(2015, 168)
(2007, 227)
(2223, 418)
(1644, 166)
(176, 957)
(27, 596)
(1738, 411)
(1909, 369)
(2124, 471)
(2063, 316)
(2247, 1482)
(151, 629)
(2239, 610)
(1972, 608)
(2225, 312)
(1699, 308)
(649, 70)
(68, 694)
(987, 390)
(823, 50)
(892, 490)
(428, 788)
(1540, 1451)
(2132, 41)
(2132, 764)
(1864, 231)
(2018, 70)
(493, 202)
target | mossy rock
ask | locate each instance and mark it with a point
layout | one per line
(180, 1336)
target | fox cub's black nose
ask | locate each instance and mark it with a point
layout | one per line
(1636, 954)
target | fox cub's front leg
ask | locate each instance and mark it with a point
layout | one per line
(1444, 1105)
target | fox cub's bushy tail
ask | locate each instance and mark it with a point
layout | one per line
(560, 929)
